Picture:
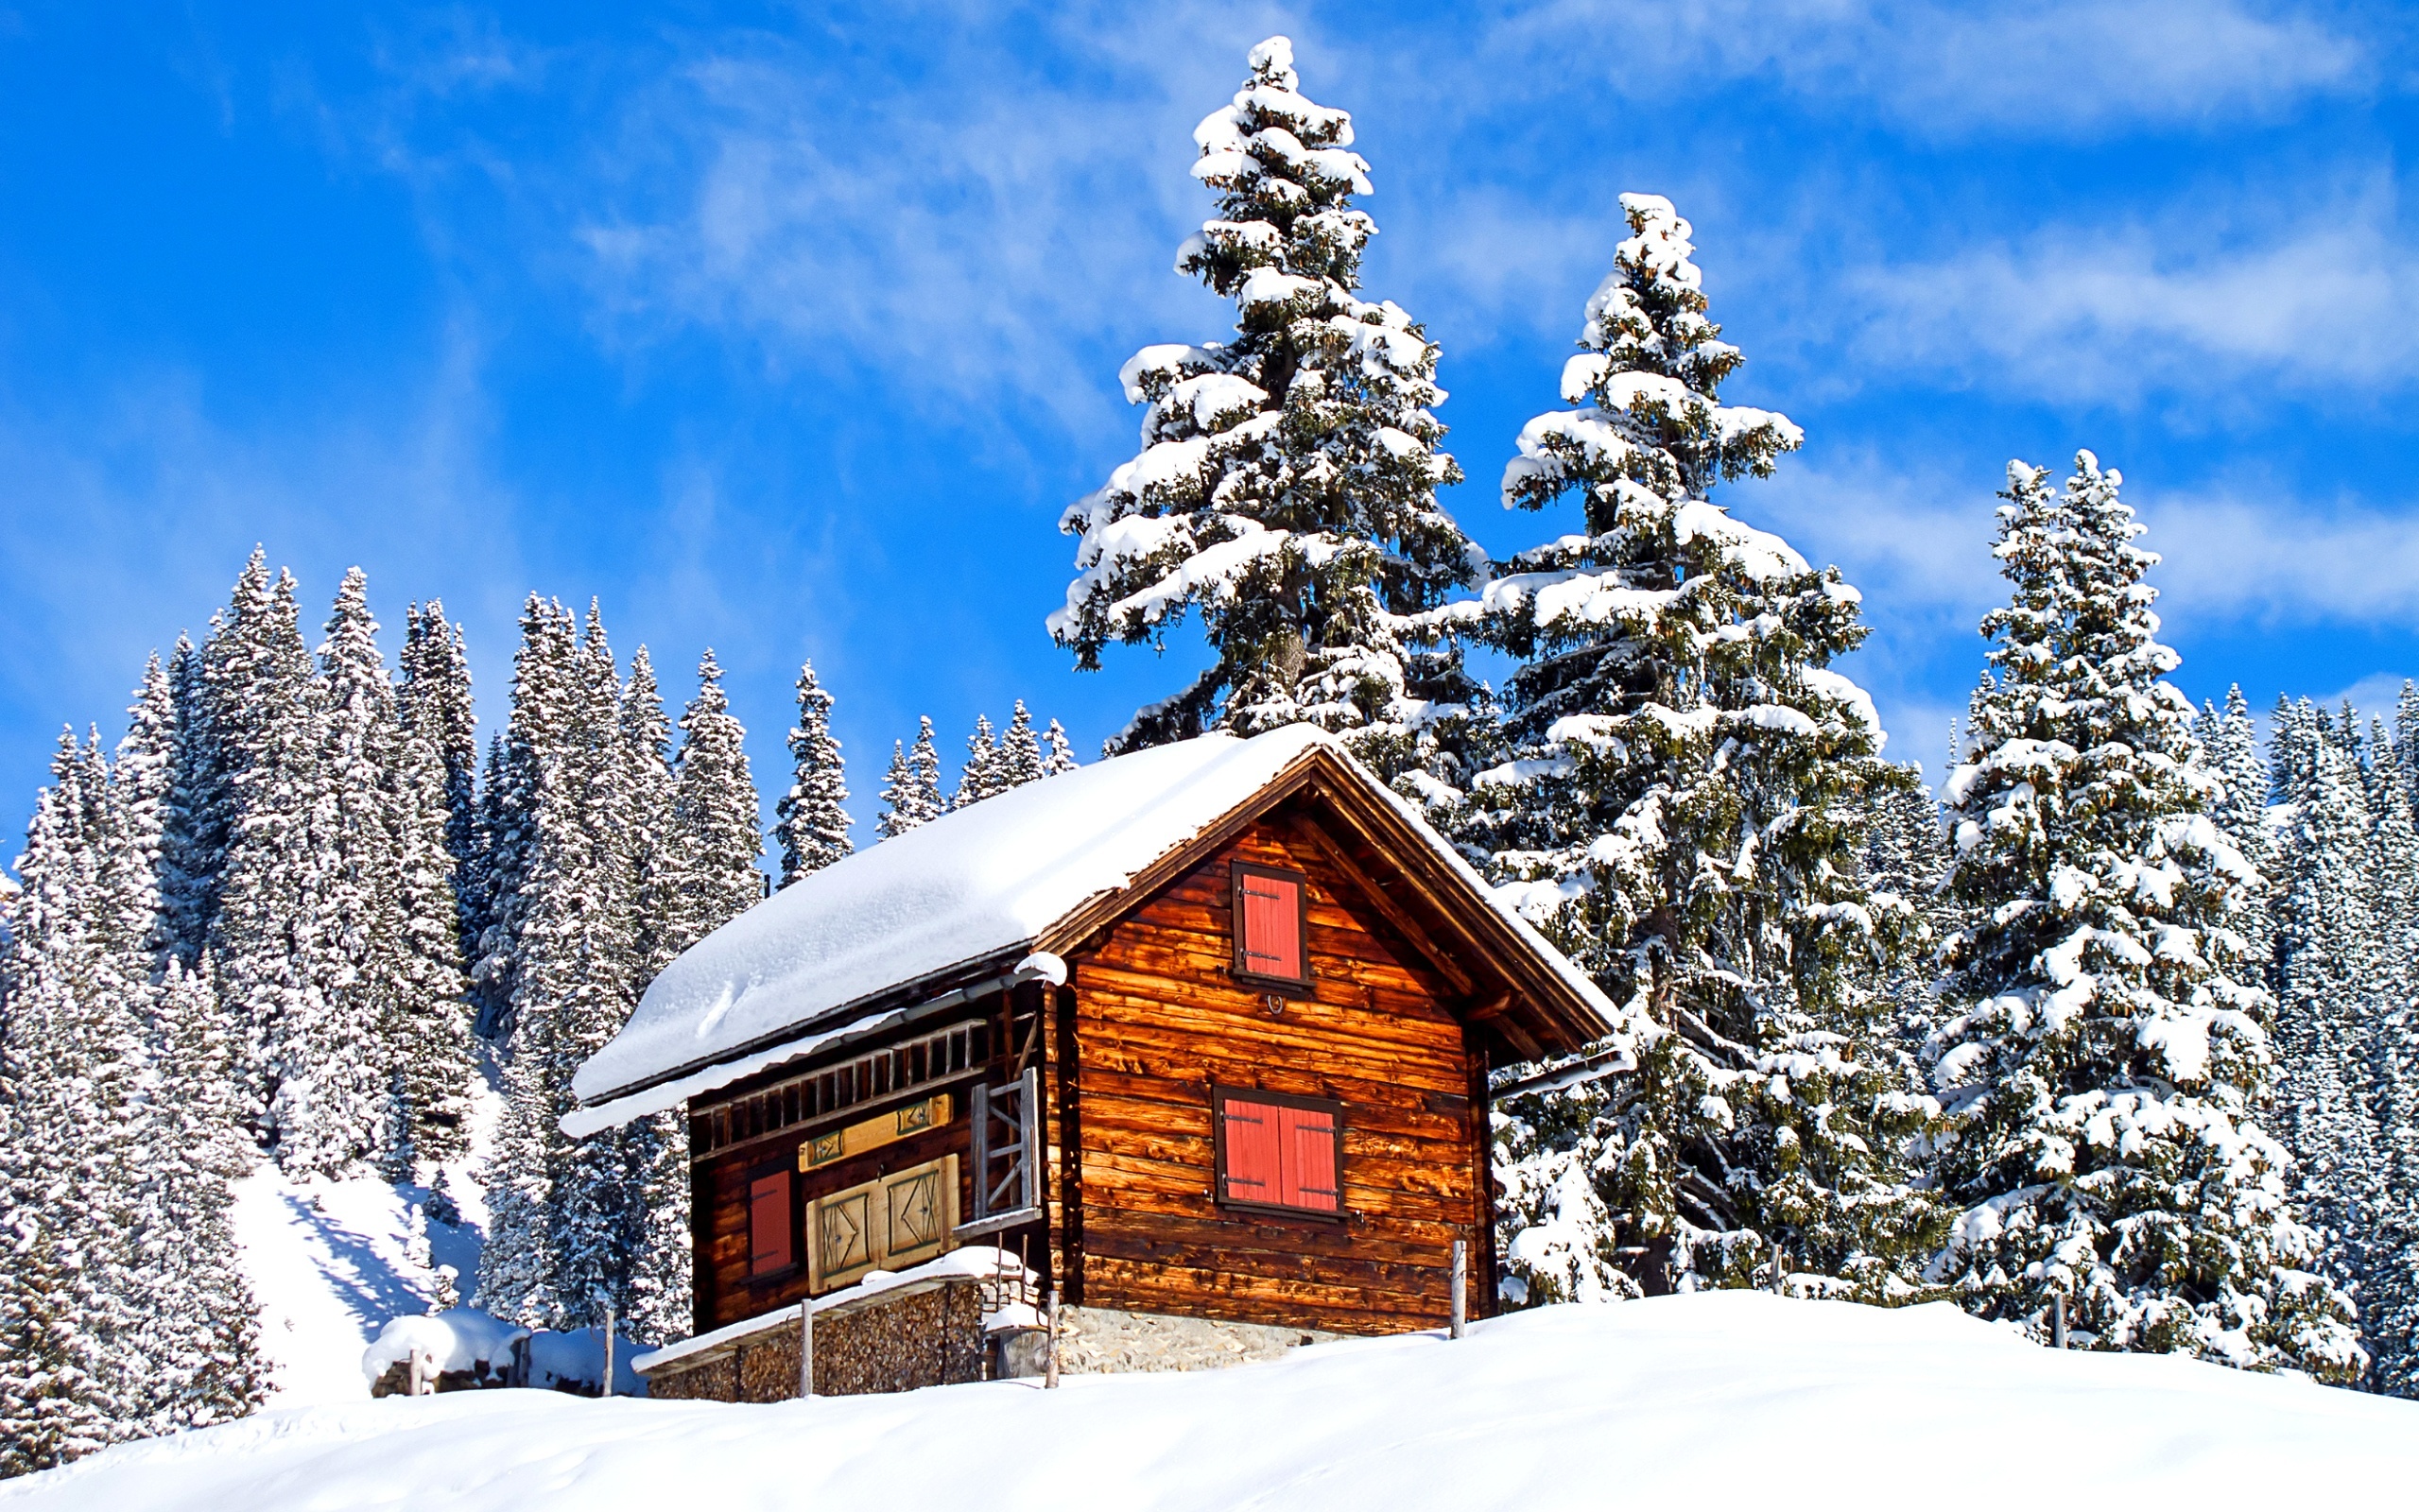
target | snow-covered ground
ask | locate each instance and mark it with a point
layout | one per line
(1734, 1399)
(331, 1261)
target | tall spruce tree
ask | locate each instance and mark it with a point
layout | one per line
(714, 811)
(812, 824)
(199, 1320)
(192, 839)
(980, 776)
(534, 737)
(1286, 489)
(300, 1057)
(1682, 809)
(2389, 1292)
(2106, 1071)
(1058, 752)
(342, 1072)
(2334, 975)
(434, 703)
(657, 849)
(911, 793)
(68, 1048)
(1020, 752)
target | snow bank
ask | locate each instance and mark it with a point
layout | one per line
(971, 886)
(558, 1361)
(461, 1339)
(1746, 1398)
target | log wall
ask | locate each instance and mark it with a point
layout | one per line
(1155, 1019)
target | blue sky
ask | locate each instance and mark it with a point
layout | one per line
(791, 331)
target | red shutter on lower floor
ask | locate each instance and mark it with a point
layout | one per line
(769, 1224)
(1251, 1140)
(1306, 1169)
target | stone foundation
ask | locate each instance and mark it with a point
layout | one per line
(898, 1341)
(1103, 1341)
(932, 1336)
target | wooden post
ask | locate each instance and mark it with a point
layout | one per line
(2056, 1321)
(608, 1389)
(1050, 1375)
(1461, 1285)
(805, 1346)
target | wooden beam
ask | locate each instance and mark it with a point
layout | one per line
(1393, 912)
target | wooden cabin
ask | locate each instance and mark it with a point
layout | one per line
(1200, 1033)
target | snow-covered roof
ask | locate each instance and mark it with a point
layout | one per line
(977, 885)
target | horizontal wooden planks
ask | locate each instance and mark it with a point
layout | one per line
(1159, 1022)
(726, 1293)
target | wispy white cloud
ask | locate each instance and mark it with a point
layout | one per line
(982, 235)
(2059, 70)
(2264, 557)
(2324, 292)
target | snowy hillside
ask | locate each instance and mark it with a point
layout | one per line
(330, 1262)
(1647, 1403)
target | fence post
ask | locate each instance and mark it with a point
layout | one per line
(607, 1388)
(1050, 1376)
(805, 1346)
(2056, 1321)
(1461, 1285)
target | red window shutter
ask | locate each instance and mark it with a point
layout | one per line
(1253, 1164)
(769, 1224)
(1307, 1177)
(1272, 925)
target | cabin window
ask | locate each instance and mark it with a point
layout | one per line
(768, 1225)
(1269, 916)
(1280, 1152)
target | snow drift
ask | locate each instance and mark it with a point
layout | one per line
(1739, 1397)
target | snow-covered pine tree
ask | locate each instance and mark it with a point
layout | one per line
(715, 810)
(541, 683)
(70, 1051)
(1020, 752)
(528, 782)
(1286, 489)
(567, 1217)
(812, 825)
(434, 701)
(2105, 1070)
(144, 781)
(270, 935)
(339, 1071)
(980, 776)
(1683, 809)
(1058, 752)
(431, 1061)
(656, 849)
(2230, 749)
(911, 793)
(1907, 858)
(193, 841)
(2333, 986)
(2390, 1296)
(199, 1321)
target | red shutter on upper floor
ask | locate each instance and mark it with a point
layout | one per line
(1306, 1168)
(1271, 924)
(769, 1224)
